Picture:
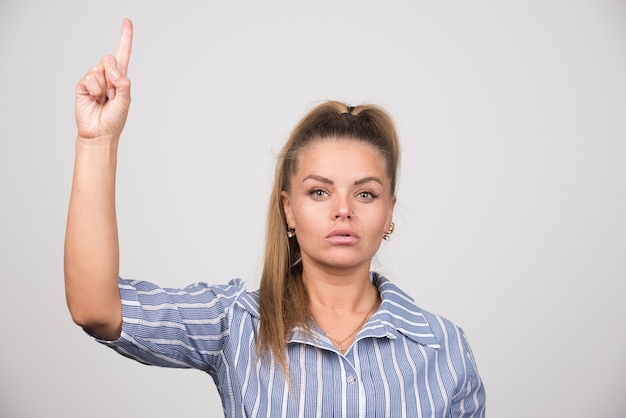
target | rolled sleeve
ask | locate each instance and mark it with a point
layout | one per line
(181, 328)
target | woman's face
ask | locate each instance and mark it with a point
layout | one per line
(340, 203)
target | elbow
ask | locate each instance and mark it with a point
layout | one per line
(95, 304)
(105, 324)
(80, 317)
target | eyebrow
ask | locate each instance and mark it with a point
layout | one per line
(329, 181)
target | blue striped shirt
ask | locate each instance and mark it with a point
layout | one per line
(405, 362)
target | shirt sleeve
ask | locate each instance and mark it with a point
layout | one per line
(470, 401)
(181, 328)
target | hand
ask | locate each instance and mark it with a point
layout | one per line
(103, 95)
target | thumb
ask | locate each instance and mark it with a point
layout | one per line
(118, 87)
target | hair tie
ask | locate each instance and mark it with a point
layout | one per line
(349, 111)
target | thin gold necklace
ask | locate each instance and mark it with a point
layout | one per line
(339, 343)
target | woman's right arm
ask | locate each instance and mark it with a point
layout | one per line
(91, 242)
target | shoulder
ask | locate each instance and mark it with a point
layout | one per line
(438, 340)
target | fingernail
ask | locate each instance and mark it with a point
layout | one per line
(113, 73)
(111, 94)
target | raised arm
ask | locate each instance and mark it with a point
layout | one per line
(91, 241)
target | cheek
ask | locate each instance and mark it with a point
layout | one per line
(296, 212)
(379, 227)
(307, 218)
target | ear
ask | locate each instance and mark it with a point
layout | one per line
(284, 197)
(392, 205)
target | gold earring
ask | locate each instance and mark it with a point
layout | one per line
(392, 227)
(291, 232)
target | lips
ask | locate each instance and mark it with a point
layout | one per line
(342, 237)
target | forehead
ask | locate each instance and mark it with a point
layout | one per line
(340, 156)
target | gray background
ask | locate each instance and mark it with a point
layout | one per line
(510, 219)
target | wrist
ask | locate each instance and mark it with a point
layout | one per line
(102, 148)
(98, 141)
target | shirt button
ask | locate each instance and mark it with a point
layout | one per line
(351, 380)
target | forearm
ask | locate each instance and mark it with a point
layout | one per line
(91, 242)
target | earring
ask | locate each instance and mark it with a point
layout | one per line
(392, 227)
(291, 232)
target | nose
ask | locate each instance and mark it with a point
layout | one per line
(344, 210)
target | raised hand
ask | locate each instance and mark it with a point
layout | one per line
(103, 95)
(91, 239)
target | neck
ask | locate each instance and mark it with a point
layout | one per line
(340, 304)
(339, 291)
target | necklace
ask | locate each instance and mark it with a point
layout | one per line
(339, 343)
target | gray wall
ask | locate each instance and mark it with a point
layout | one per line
(511, 208)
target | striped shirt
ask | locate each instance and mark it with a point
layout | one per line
(405, 362)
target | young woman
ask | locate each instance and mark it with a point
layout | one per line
(323, 336)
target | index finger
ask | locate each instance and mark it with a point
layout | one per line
(123, 49)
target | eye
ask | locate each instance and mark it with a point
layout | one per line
(318, 194)
(366, 196)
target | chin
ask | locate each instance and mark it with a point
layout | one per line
(346, 263)
(341, 259)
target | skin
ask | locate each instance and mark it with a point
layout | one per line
(340, 203)
(91, 243)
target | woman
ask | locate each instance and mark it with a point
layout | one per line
(323, 336)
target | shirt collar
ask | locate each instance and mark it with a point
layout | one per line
(396, 315)
(399, 314)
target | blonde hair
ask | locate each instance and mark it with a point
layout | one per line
(284, 302)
